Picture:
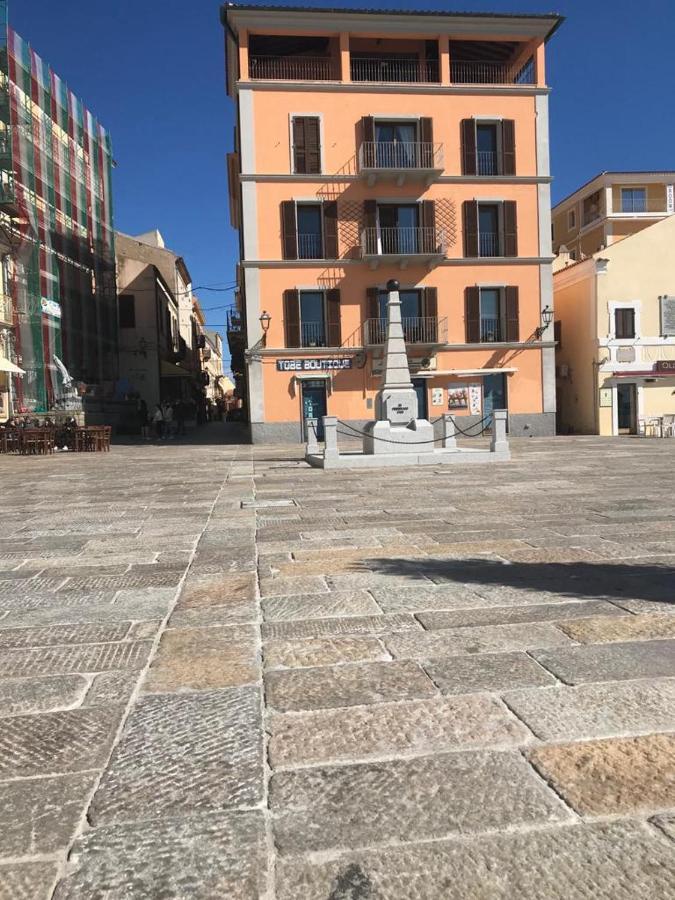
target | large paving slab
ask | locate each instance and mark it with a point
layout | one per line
(614, 861)
(418, 799)
(184, 754)
(610, 662)
(480, 639)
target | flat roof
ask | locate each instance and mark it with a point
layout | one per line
(363, 11)
(668, 173)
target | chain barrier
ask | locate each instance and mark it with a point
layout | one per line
(355, 431)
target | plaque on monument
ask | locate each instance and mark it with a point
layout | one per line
(667, 316)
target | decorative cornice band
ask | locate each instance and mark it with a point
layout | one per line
(362, 87)
(442, 179)
(342, 263)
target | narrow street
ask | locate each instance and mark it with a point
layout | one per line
(226, 675)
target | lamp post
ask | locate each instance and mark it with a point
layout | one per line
(265, 319)
(546, 319)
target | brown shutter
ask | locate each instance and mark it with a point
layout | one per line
(470, 216)
(292, 317)
(472, 314)
(370, 223)
(330, 233)
(367, 140)
(429, 242)
(289, 230)
(430, 309)
(508, 147)
(372, 331)
(299, 154)
(511, 314)
(468, 132)
(510, 229)
(426, 155)
(333, 310)
(313, 145)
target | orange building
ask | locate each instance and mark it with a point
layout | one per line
(372, 146)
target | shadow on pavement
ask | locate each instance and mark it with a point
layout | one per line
(212, 434)
(647, 581)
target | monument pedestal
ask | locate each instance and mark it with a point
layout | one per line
(382, 437)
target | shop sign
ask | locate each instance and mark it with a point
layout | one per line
(312, 365)
(667, 316)
(670, 198)
(50, 307)
(665, 365)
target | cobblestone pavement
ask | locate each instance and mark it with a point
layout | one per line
(226, 675)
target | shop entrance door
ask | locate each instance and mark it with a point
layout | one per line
(626, 401)
(494, 395)
(314, 406)
(420, 386)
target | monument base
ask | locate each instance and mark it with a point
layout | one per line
(355, 459)
(382, 438)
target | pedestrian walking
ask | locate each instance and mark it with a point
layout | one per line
(142, 412)
(158, 422)
(167, 409)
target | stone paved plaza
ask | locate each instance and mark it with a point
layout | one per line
(226, 675)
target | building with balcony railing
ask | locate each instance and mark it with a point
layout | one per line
(371, 146)
(610, 207)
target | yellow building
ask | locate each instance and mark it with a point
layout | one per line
(615, 328)
(610, 207)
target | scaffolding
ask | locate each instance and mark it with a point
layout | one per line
(55, 203)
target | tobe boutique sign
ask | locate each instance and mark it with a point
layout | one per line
(312, 365)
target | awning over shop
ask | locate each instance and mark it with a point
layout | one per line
(463, 372)
(169, 370)
(7, 366)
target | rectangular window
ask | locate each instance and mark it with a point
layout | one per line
(310, 232)
(312, 319)
(571, 219)
(127, 311)
(624, 323)
(396, 145)
(306, 132)
(487, 149)
(634, 200)
(488, 230)
(491, 311)
(399, 228)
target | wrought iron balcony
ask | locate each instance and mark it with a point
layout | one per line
(416, 330)
(491, 330)
(402, 71)
(292, 68)
(312, 334)
(488, 162)
(426, 243)
(479, 72)
(400, 157)
(489, 244)
(310, 246)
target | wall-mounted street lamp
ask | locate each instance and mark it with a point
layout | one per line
(546, 319)
(265, 320)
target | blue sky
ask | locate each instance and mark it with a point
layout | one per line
(152, 71)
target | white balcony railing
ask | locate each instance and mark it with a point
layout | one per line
(419, 241)
(399, 155)
(401, 71)
(312, 334)
(488, 162)
(490, 330)
(478, 72)
(292, 68)
(310, 246)
(489, 244)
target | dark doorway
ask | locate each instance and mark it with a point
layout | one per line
(626, 397)
(314, 406)
(494, 395)
(420, 386)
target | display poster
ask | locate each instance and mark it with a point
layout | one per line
(458, 396)
(437, 396)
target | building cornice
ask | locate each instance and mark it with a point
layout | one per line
(351, 87)
(341, 263)
(442, 179)
(322, 352)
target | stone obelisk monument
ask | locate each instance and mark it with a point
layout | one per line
(397, 429)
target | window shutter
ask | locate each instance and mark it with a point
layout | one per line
(472, 314)
(429, 242)
(511, 314)
(370, 223)
(426, 155)
(292, 317)
(557, 333)
(299, 152)
(508, 147)
(330, 232)
(333, 309)
(289, 230)
(468, 132)
(624, 323)
(470, 216)
(367, 135)
(430, 304)
(313, 145)
(510, 229)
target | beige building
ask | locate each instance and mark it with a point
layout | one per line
(611, 206)
(615, 328)
(212, 364)
(158, 323)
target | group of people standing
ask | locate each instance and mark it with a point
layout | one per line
(167, 419)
